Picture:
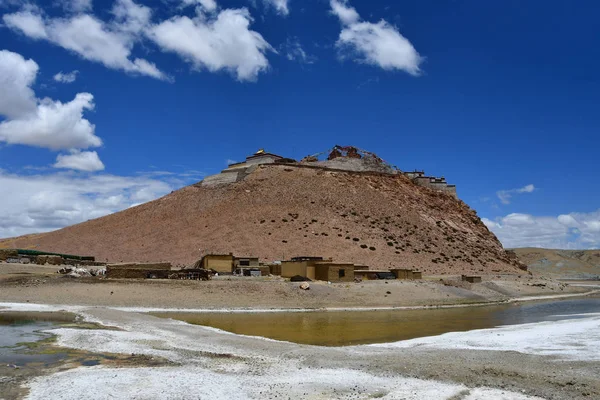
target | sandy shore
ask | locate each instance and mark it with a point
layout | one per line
(23, 283)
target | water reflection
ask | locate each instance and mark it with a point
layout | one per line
(352, 328)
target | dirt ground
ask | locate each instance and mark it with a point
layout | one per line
(505, 370)
(41, 284)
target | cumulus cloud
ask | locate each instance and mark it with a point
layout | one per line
(40, 203)
(40, 122)
(281, 6)
(68, 77)
(379, 44)
(80, 160)
(16, 77)
(110, 44)
(54, 125)
(224, 42)
(214, 40)
(505, 196)
(567, 231)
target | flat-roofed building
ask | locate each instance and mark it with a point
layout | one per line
(334, 272)
(221, 263)
(245, 262)
(316, 268)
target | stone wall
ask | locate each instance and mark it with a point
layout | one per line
(433, 183)
(330, 272)
(138, 271)
(6, 253)
(266, 159)
(233, 174)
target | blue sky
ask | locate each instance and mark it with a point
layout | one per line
(499, 97)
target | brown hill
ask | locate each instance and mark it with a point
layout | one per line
(573, 264)
(279, 211)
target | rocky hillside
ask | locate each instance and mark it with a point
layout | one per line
(281, 211)
(574, 264)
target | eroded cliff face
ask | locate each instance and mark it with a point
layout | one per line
(280, 211)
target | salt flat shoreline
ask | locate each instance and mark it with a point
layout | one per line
(230, 366)
(72, 307)
(482, 364)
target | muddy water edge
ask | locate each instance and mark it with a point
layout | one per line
(28, 349)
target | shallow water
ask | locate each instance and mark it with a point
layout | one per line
(19, 328)
(346, 328)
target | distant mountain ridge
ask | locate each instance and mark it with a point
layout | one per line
(573, 264)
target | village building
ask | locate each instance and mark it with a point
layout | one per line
(471, 278)
(238, 171)
(221, 263)
(316, 268)
(414, 174)
(334, 272)
(228, 264)
(401, 273)
(438, 184)
(262, 157)
(245, 262)
(372, 274)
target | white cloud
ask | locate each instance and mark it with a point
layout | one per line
(526, 189)
(41, 203)
(221, 43)
(214, 40)
(80, 160)
(294, 52)
(379, 44)
(40, 122)
(54, 125)
(567, 231)
(68, 77)
(567, 220)
(347, 15)
(76, 6)
(208, 5)
(130, 17)
(16, 77)
(281, 6)
(28, 22)
(92, 39)
(505, 196)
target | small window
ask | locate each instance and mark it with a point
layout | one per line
(244, 263)
(342, 273)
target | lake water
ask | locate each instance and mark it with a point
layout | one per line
(365, 327)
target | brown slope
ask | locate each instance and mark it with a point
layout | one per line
(282, 211)
(574, 264)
